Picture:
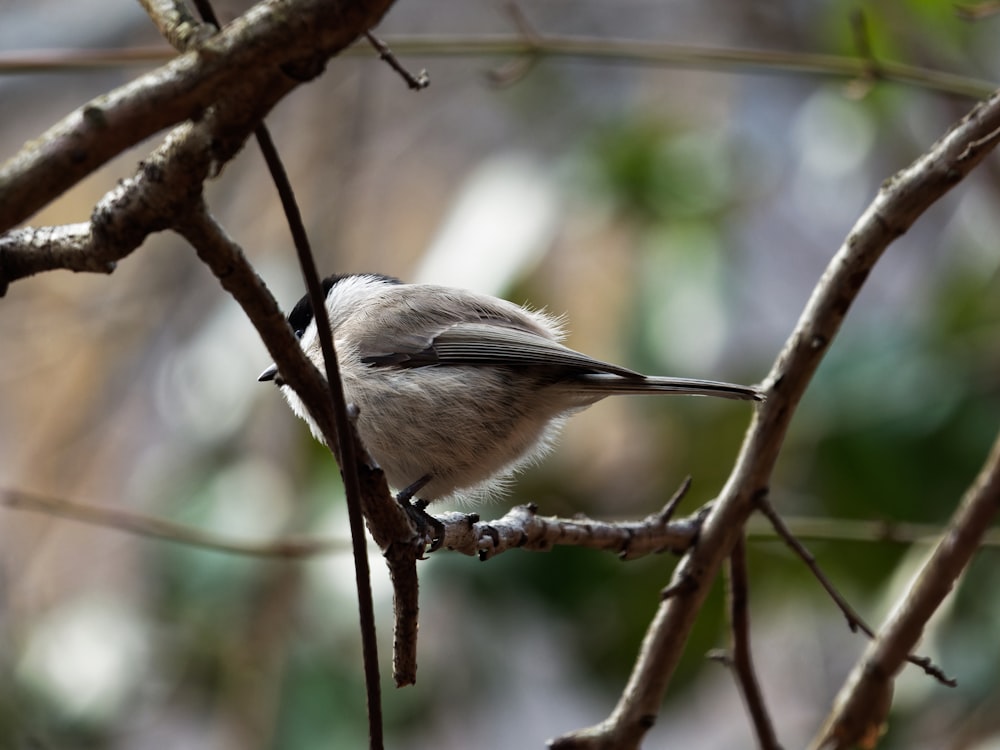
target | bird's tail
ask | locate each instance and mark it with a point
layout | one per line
(607, 384)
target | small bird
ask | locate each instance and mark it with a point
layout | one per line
(456, 391)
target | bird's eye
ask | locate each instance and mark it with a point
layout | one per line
(298, 333)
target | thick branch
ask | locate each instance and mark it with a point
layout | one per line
(121, 221)
(255, 61)
(898, 204)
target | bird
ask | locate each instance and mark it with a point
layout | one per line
(456, 391)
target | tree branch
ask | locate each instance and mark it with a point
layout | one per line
(177, 24)
(901, 200)
(221, 90)
(523, 528)
(251, 64)
(863, 703)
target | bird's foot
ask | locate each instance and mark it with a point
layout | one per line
(417, 511)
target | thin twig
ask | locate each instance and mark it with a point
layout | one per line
(415, 82)
(203, 234)
(556, 46)
(288, 547)
(388, 523)
(471, 536)
(675, 500)
(854, 620)
(863, 703)
(520, 528)
(513, 71)
(347, 440)
(860, 530)
(871, 71)
(559, 46)
(741, 659)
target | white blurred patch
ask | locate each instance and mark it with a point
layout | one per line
(502, 222)
(834, 135)
(205, 387)
(87, 657)
(333, 575)
(834, 138)
(913, 687)
(251, 499)
(685, 292)
(976, 224)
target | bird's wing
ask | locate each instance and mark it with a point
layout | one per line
(494, 343)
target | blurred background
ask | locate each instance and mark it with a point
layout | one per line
(678, 217)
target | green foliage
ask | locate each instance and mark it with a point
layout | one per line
(907, 30)
(651, 173)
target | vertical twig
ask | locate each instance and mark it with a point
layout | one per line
(347, 443)
(741, 658)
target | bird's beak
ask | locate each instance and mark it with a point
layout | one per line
(269, 374)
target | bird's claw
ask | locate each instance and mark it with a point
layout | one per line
(428, 527)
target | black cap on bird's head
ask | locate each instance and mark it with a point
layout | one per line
(299, 319)
(302, 315)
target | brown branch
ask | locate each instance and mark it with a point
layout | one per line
(347, 445)
(401, 558)
(251, 64)
(415, 82)
(741, 659)
(638, 538)
(122, 219)
(523, 528)
(82, 60)
(221, 254)
(898, 204)
(177, 24)
(863, 703)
